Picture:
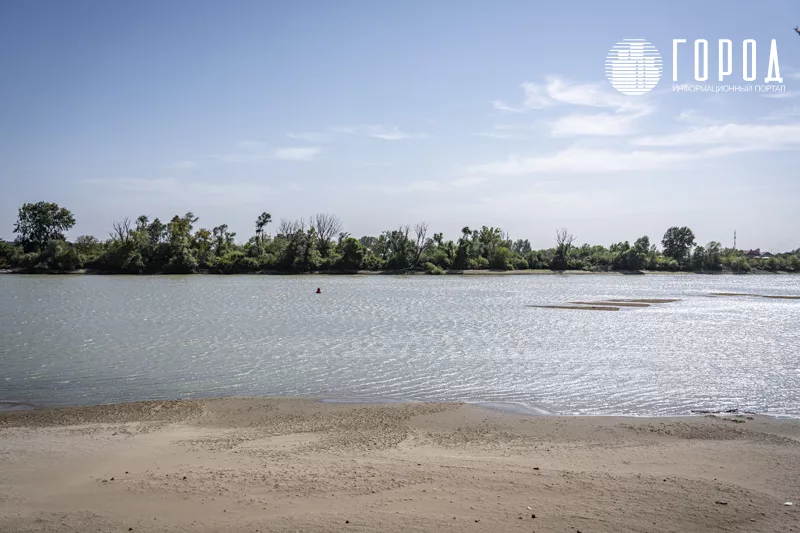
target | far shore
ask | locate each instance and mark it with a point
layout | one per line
(529, 272)
(280, 465)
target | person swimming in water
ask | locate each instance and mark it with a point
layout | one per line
(319, 291)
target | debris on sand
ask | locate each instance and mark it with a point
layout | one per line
(648, 300)
(775, 297)
(611, 304)
(586, 307)
(615, 304)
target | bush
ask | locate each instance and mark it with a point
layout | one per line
(28, 261)
(227, 263)
(247, 264)
(9, 254)
(60, 255)
(477, 263)
(183, 262)
(667, 263)
(501, 259)
(739, 264)
(373, 262)
(430, 268)
(519, 263)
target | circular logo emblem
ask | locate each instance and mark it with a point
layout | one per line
(633, 66)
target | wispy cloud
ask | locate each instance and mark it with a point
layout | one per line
(410, 187)
(377, 131)
(182, 165)
(259, 152)
(469, 182)
(781, 96)
(239, 157)
(505, 135)
(502, 106)
(695, 118)
(510, 131)
(578, 160)
(556, 91)
(294, 153)
(593, 124)
(311, 136)
(194, 191)
(762, 136)
(783, 114)
(372, 164)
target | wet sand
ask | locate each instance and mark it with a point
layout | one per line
(264, 465)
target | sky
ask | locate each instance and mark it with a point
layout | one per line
(455, 113)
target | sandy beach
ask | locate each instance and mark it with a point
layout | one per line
(263, 465)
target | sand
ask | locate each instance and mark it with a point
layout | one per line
(262, 465)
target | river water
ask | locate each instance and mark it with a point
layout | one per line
(67, 340)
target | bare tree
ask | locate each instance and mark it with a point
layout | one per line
(421, 231)
(327, 226)
(564, 240)
(122, 230)
(288, 228)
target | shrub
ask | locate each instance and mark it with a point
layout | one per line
(430, 268)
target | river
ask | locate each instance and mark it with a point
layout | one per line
(74, 340)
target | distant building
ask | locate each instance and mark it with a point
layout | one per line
(753, 254)
(766, 254)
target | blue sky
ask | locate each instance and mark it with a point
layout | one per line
(388, 113)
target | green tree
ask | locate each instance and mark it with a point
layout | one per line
(352, 254)
(88, 248)
(41, 222)
(262, 221)
(677, 243)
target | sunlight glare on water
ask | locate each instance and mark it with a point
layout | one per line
(95, 339)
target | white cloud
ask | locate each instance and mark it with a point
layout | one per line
(372, 164)
(239, 157)
(783, 114)
(251, 145)
(258, 152)
(183, 165)
(763, 136)
(314, 137)
(502, 106)
(376, 131)
(578, 160)
(781, 96)
(294, 153)
(414, 186)
(693, 117)
(469, 182)
(557, 90)
(196, 192)
(514, 127)
(597, 124)
(503, 135)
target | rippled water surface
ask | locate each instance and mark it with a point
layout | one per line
(93, 339)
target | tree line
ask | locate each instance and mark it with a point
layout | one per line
(319, 244)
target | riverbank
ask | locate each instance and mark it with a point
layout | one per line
(303, 465)
(412, 273)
